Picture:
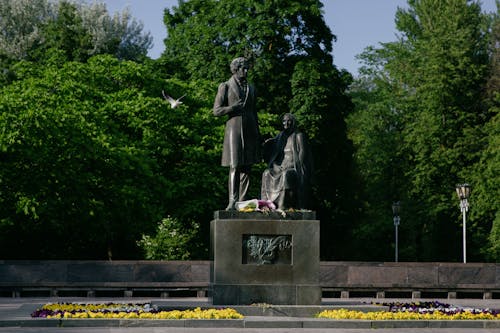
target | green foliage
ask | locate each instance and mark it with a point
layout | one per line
(171, 241)
(418, 126)
(485, 217)
(204, 36)
(485, 172)
(288, 44)
(67, 166)
(28, 28)
(92, 156)
(66, 33)
(321, 106)
(375, 129)
(20, 21)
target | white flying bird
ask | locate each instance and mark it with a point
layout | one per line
(173, 102)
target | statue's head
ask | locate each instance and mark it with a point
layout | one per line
(238, 63)
(289, 122)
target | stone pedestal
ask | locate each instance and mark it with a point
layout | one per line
(264, 258)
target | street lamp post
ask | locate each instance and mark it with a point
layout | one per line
(396, 207)
(463, 192)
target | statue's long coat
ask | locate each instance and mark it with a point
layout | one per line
(241, 137)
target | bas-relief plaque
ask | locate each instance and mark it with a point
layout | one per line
(267, 249)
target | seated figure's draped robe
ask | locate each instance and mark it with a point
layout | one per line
(286, 181)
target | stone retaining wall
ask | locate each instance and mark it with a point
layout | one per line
(91, 278)
(412, 278)
(191, 278)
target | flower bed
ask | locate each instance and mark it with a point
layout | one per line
(415, 311)
(397, 311)
(128, 311)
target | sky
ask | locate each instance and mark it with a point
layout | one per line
(356, 23)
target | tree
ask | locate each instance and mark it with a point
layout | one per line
(430, 85)
(321, 106)
(449, 72)
(204, 36)
(67, 166)
(66, 33)
(20, 25)
(92, 158)
(120, 34)
(171, 242)
(485, 211)
(27, 28)
(376, 131)
(289, 45)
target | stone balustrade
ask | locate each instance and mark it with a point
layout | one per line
(411, 279)
(104, 278)
(19, 278)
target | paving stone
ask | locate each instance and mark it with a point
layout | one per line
(328, 323)
(399, 323)
(285, 323)
(456, 323)
(219, 323)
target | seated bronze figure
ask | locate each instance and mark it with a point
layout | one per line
(287, 179)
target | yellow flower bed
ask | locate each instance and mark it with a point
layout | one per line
(385, 315)
(130, 311)
(68, 307)
(197, 313)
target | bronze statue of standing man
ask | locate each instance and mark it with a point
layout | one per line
(236, 100)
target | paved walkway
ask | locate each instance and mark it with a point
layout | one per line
(15, 317)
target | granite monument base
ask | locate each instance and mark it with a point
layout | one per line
(264, 258)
